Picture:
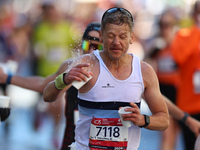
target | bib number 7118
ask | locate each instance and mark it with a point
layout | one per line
(108, 131)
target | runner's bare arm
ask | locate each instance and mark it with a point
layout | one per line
(76, 73)
(160, 116)
(178, 114)
(36, 83)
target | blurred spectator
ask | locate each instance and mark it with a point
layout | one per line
(20, 38)
(185, 50)
(161, 59)
(7, 50)
(53, 37)
(53, 40)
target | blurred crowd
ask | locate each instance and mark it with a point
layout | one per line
(38, 35)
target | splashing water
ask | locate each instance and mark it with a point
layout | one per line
(77, 53)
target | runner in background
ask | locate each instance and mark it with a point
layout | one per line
(160, 57)
(186, 53)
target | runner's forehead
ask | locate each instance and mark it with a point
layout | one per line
(94, 34)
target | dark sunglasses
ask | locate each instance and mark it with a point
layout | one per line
(86, 46)
(123, 10)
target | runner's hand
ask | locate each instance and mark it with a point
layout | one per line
(77, 73)
(136, 117)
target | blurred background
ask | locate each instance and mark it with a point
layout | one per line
(30, 46)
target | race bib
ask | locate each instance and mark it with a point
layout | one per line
(196, 82)
(166, 65)
(108, 133)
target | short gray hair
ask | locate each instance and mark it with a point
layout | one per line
(119, 16)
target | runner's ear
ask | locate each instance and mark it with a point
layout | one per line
(100, 36)
(132, 38)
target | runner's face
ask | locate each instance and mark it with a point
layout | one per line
(116, 40)
(166, 25)
(93, 45)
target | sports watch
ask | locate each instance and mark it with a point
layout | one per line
(147, 121)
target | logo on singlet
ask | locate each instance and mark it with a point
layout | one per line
(107, 86)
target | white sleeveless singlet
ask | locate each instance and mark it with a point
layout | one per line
(104, 100)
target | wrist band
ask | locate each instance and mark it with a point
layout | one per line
(8, 80)
(59, 82)
(184, 117)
